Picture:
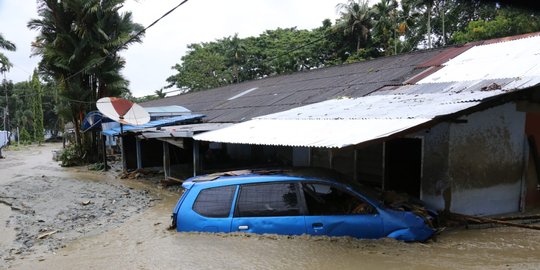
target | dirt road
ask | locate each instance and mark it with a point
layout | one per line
(135, 237)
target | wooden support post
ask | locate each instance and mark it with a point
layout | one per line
(355, 165)
(124, 160)
(166, 160)
(139, 155)
(330, 158)
(196, 158)
(383, 182)
(104, 146)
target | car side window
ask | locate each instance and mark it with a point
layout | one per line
(324, 199)
(214, 202)
(264, 200)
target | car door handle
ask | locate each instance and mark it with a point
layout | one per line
(317, 225)
(243, 227)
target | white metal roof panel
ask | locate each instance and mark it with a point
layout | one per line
(343, 122)
(312, 133)
(509, 59)
(180, 131)
(172, 109)
(386, 106)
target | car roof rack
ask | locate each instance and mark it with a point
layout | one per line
(214, 176)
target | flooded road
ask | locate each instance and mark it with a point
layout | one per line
(142, 241)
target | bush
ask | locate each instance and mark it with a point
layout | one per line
(25, 137)
(70, 156)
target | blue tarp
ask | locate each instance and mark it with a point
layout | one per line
(156, 123)
(93, 120)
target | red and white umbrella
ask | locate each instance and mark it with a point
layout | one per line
(123, 111)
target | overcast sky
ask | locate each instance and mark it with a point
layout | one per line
(149, 63)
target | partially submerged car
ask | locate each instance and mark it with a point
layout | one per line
(291, 205)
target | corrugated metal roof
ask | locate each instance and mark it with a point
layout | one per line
(181, 131)
(155, 123)
(444, 56)
(167, 109)
(512, 59)
(453, 87)
(385, 107)
(277, 93)
(349, 121)
(343, 122)
(320, 133)
(448, 80)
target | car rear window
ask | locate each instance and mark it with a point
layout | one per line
(214, 202)
(263, 200)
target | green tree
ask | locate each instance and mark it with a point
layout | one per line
(37, 112)
(361, 32)
(507, 22)
(355, 21)
(21, 98)
(5, 64)
(24, 136)
(385, 26)
(202, 68)
(232, 60)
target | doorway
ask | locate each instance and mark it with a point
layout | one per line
(403, 165)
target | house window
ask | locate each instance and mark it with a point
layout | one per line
(264, 200)
(214, 202)
(322, 199)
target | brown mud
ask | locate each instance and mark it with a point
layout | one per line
(134, 236)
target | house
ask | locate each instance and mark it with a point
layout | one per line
(137, 153)
(456, 127)
(236, 103)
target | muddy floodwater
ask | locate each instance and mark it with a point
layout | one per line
(71, 218)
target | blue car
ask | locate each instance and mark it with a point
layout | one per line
(290, 205)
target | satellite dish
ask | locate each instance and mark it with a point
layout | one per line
(123, 111)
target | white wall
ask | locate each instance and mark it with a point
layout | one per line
(475, 167)
(486, 161)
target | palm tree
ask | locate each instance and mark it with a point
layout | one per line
(385, 24)
(235, 51)
(355, 20)
(79, 41)
(5, 65)
(421, 12)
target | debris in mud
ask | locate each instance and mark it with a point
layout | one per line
(97, 167)
(139, 173)
(46, 234)
(466, 219)
(67, 208)
(86, 202)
